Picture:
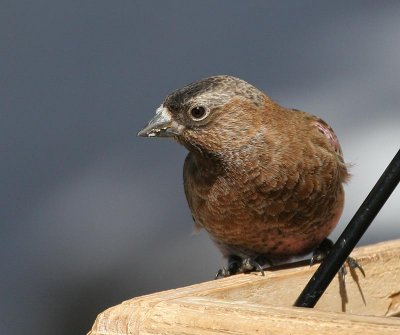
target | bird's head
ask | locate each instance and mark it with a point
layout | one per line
(211, 115)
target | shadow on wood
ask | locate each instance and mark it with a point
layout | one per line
(250, 304)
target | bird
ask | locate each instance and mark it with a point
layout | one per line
(264, 181)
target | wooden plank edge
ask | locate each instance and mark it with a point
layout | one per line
(133, 313)
(199, 315)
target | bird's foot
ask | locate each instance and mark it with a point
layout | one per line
(353, 264)
(238, 265)
(323, 250)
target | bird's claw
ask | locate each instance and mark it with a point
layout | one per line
(234, 264)
(353, 264)
(249, 264)
(222, 273)
(237, 265)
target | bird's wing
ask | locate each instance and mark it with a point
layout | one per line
(325, 129)
(330, 135)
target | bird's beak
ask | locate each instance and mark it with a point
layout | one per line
(161, 125)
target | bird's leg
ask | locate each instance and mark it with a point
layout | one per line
(323, 250)
(239, 265)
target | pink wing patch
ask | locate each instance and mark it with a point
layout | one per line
(329, 134)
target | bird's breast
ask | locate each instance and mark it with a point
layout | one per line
(277, 211)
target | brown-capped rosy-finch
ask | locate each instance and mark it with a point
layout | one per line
(264, 181)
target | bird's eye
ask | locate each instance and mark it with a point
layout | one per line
(198, 113)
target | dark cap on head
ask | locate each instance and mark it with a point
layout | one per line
(222, 87)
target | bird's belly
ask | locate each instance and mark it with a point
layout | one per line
(237, 230)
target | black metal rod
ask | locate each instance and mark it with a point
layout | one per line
(351, 235)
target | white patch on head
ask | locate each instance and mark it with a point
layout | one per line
(164, 114)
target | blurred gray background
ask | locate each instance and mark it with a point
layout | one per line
(92, 215)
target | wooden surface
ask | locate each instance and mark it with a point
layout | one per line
(250, 304)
